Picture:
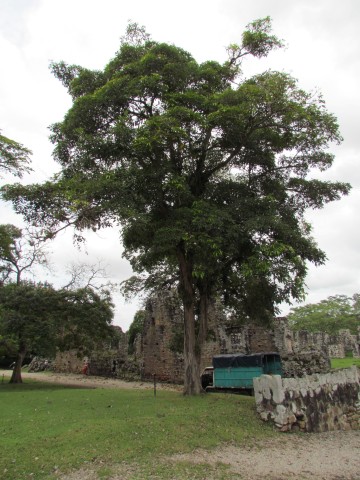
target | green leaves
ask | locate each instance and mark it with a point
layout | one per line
(185, 159)
(14, 157)
(330, 315)
(42, 319)
(257, 39)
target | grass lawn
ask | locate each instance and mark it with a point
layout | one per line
(344, 362)
(45, 429)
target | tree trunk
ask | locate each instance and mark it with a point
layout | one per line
(203, 324)
(192, 384)
(203, 318)
(16, 374)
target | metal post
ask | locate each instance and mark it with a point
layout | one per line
(154, 384)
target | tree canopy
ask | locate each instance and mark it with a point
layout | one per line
(14, 157)
(37, 319)
(205, 170)
(335, 313)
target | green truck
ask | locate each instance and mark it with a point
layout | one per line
(234, 373)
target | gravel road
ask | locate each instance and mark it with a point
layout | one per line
(316, 456)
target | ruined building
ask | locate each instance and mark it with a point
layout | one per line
(104, 361)
(158, 349)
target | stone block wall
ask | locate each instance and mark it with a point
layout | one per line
(159, 347)
(68, 362)
(334, 346)
(305, 363)
(101, 360)
(314, 403)
(158, 350)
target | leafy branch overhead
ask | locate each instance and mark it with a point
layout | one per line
(205, 171)
(14, 157)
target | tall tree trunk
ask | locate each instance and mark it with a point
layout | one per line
(203, 324)
(203, 317)
(192, 384)
(16, 374)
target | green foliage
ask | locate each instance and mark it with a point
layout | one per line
(75, 428)
(8, 236)
(256, 40)
(206, 171)
(14, 157)
(27, 316)
(37, 319)
(331, 315)
(85, 317)
(135, 328)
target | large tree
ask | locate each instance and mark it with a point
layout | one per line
(206, 172)
(37, 319)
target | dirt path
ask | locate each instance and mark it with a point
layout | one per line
(79, 380)
(323, 456)
(316, 456)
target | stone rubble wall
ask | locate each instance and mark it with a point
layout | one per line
(104, 361)
(314, 403)
(304, 363)
(68, 362)
(156, 350)
(159, 349)
(40, 364)
(334, 346)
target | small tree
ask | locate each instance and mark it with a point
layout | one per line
(27, 319)
(37, 319)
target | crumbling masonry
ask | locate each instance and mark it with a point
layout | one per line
(159, 347)
(158, 350)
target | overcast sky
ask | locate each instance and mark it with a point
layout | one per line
(323, 53)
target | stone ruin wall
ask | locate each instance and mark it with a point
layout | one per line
(315, 403)
(104, 361)
(68, 362)
(158, 350)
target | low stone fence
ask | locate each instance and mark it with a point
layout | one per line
(313, 403)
